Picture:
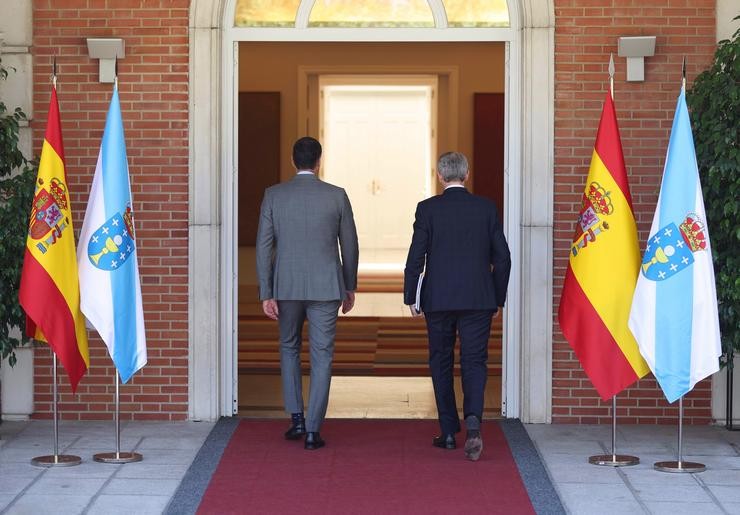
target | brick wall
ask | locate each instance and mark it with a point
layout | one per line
(154, 102)
(586, 31)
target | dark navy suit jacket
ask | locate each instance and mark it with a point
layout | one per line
(459, 237)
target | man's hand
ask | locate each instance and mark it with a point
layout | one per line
(348, 303)
(270, 308)
(415, 313)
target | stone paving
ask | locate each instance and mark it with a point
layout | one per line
(639, 489)
(169, 448)
(91, 487)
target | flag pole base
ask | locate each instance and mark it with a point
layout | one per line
(56, 460)
(118, 457)
(611, 460)
(679, 466)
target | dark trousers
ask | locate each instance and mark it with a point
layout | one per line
(474, 327)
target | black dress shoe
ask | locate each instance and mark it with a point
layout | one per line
(296, 431)
(445, 441)
(313, 441)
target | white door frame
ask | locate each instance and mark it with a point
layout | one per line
(212, 386)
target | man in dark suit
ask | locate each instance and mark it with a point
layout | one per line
(459, 244)
(305, 224)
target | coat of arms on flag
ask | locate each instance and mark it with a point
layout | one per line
(113, 242)
(670, 250)
(47, 213)
(596, 203)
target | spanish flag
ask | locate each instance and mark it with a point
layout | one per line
(604, 261)
(50, 290)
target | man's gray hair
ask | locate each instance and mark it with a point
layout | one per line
(452, 166)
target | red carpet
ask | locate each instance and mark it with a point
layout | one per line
(367, 466)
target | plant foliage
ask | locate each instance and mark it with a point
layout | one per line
(714, 101)
(17, 176)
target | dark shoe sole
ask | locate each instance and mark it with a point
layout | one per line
(294, 436)
(473, 448)
(313, 446)
(445, 445)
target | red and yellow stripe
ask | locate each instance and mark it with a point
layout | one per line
(601, 278)
(50, 290)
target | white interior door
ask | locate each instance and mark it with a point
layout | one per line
(378, 145)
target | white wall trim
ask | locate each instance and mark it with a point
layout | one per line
(529, 194)
(368, 34)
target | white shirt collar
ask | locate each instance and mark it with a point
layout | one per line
(454, 186)
(304, 172)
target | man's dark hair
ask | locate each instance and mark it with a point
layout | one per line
(306, 152)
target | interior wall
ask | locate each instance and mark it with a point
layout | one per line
(274, 67)
(266, 66)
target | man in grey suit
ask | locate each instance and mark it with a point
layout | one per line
(304, 225)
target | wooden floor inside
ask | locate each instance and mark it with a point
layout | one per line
(361, 397)
(380, 365)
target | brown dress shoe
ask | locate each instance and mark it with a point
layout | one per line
(473, 445)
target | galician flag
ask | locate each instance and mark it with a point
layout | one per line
(106, 254)
(604, 261)
(50, 291)
(674, 311)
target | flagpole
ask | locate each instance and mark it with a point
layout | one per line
(614, 459)
(56, 459)
(679, 465)
(118, 456)
(611, 75)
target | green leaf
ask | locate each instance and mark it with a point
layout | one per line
(17, 177)
(714, 102)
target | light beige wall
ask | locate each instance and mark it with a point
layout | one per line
(274, 67)
(727, 10)
(16, 38)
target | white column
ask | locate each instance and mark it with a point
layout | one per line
(204, 306)
(17, 386)
(537, 197)
(16, 38)
(719, 395)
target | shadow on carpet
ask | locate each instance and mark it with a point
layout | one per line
(367, 466)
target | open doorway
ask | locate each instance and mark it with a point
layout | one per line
(380, 367)
(379, 137)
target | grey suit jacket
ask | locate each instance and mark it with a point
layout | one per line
(304, 225)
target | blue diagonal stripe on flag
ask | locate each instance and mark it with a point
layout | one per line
(675, 297)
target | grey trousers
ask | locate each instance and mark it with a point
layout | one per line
(322, 328)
